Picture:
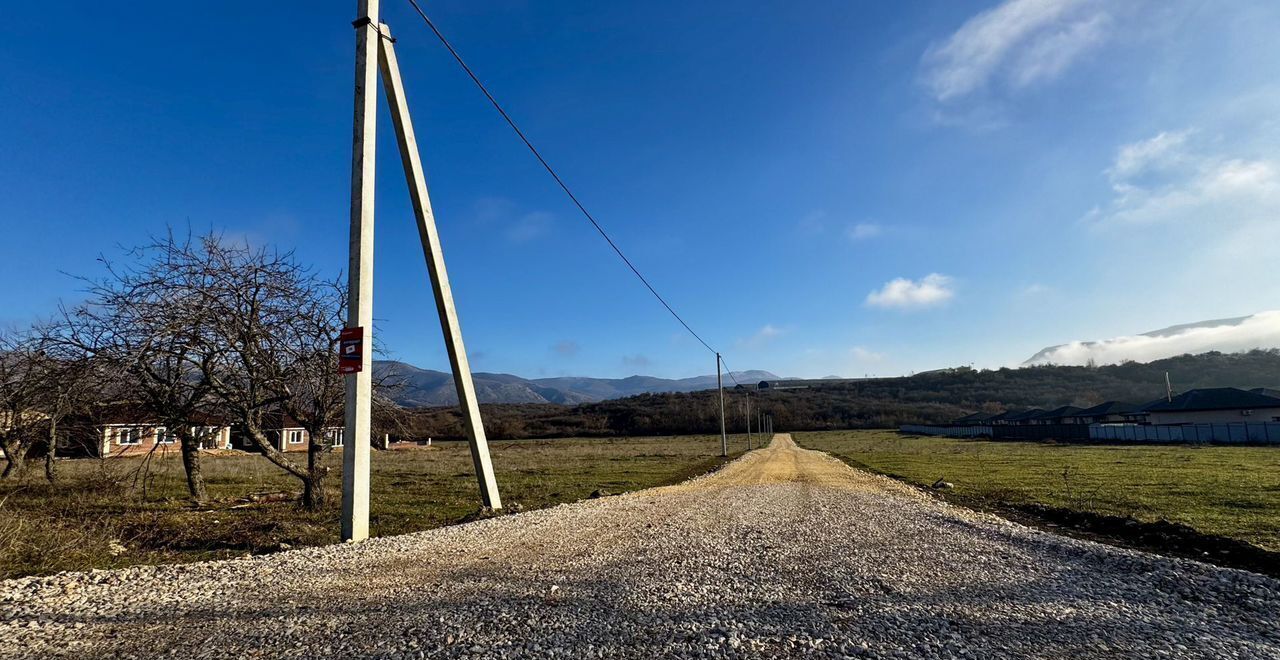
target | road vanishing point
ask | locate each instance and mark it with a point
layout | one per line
(785, 552)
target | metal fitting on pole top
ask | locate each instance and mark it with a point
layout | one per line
(361, 22)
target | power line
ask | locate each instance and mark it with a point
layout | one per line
(510, 122)
(729, 371)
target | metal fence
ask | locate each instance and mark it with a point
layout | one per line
(1236, 433)
(948, 431)
(1040, 432)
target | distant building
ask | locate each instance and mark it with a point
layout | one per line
(1024, 418)
(123, 430)
(973, 419)
(1139, 415)
(286, 434)
(1110, 412)
(1060, 415)
(1214, 405)
(1001, 419)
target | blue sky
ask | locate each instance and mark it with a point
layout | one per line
(820, 188)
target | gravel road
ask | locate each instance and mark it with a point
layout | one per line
(784, 553)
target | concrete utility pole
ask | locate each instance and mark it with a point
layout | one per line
(748, 416)
(724, 438)
(431, 250)
(355, 452)
(374, 51)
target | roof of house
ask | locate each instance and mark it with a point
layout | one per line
(1026, 414)
(1143, 408)
(1215, 398)
(1000, 417)
(1107, 408)
(1062, 411)
(1266, 391)
(972, 417)
(133, 413)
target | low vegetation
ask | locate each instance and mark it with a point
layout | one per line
(122, 511)
(1231, 492)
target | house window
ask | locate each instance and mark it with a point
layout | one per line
(165, 436)
(295, 437)
(128, 436)
(335, 437)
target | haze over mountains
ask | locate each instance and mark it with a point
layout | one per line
(412, 386)
(1234, 335)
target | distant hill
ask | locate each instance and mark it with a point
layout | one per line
(412, 387)
(933, 397)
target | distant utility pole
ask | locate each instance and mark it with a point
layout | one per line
(724, 438)
(1168, 387)
(748, 416)
(374, 51)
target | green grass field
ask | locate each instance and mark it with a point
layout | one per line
(110, 513)
(1224, 491)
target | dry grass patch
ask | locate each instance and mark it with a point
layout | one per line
(113, 513)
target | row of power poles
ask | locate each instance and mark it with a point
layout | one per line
(764, 422)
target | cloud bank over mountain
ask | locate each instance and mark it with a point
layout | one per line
(1261, 330)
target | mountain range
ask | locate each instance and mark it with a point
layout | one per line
(412, 386)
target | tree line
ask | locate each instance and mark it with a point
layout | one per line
(927, 398)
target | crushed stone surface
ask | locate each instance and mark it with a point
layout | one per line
(784, 553)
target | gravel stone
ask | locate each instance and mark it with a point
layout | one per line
(783, 553)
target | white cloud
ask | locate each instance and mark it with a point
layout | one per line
(1019, 42)
(762, 336)
(1167, 179)
(1033, 289)
(931, 290)
(864, 354)
(863, 231)
(1261, 330)
(529, 226)
(1051, 55)
(1161, 152)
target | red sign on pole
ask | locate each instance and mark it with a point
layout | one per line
(351, 350)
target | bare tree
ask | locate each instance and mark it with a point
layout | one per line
(19, 399)
(279, 324)
(146, 325)
(67, 383)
